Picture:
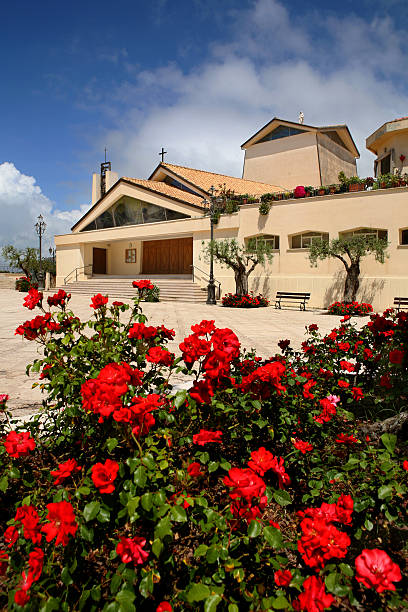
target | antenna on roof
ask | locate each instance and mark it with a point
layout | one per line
(162, 153)
(105, 155)
(301, 117)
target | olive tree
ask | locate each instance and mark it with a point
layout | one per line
(27, 260)
(350, 251)
(241, 258)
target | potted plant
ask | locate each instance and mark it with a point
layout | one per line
(333, 189)
(369, 182)
(344, 181)
(356, 183)
(264, 208)
(322, 190)
(309, 191)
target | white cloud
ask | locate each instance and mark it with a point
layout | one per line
(21, 201)
(273, 63)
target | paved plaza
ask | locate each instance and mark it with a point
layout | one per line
(260, 329)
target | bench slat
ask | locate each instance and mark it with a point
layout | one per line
(286, 296)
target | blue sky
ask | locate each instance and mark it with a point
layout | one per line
(197, 77)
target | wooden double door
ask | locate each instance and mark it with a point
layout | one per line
(173, 256)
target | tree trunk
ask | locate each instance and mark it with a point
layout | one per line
(352, 282)
(241, 281)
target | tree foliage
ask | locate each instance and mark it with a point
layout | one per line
(350, 252)
(241, 258)
(27, 260)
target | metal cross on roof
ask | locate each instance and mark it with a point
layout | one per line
(162, 153)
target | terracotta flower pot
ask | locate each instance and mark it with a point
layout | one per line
(356, 187)
(321, 192)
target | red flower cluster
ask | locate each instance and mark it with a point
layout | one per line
(248, 300)
(304, 447)
(65, 470)
(205, 436)
(248, 491)
(19, 444)
(264, 379)
(140, 331)
(262, 460)
(131, 550)
(283, 578)
(328, 410)
(61, 523)
(102, 395)
(33, 298)
(396, 357)
(375, 570)
(164, 606)
(141, 285)
(321, 540)
(194, 470)
(59, 299)
(28, 517)
(98, 300)
(103, 475)
(35, 566)
(350, 308)
(36, 327)
(141, 417)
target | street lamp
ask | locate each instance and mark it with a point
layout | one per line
(40, 229)
(211, 206)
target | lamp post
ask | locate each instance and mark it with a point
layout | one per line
(40, 229)
(211, 206)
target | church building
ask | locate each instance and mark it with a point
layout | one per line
(156, 227)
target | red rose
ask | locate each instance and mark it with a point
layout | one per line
(396, 357)
(282, 577)
(117, 304)
(21, 597)
(28, 517)
(103, 475)
(375, 569)
(3, 399)
(65, 470)
(194, 469)
(61, 523)
(202, 391)
(59, 299)
(205, 436)
(246, 484)
(33, 298)
(357, 393)
(19, 444)
(142, 332)
(314, 597)
(141, 285)
(203, 328)
(4, 559)
(304, 447)
(343, 384)
(385, 381)
(98, 300)
(405, 465)
(345, 439)
(164, 606)
(261, 461)
(155, 354)
(131, 550)
(10, 536)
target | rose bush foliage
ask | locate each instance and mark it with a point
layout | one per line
(256, 489)
(350, 308)
(248, 300)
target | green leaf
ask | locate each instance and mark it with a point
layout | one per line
(280, 603)
(83, 599)
(389, 441)
(346, 569)
(254, 529)
(233, 608)
(104, 515)
(3, 484)
(198, 592)
(282, 497)
(115, 583)
(146, 585)
(211, 603)
(368, 524)
(332, 580)
(200, 550)
(147, 501)
(180, 398)
(179, 514)
(111, 443)
(157, 547)
(14, 472)
(86, 534)
(84, 490)
(66, 577)
(139, 477)
(125, 596)
(163, 528)
(385, 491)
(213, 466)
(273, 536)
(91, 510)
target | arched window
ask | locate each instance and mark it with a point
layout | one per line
(365, 231)
(305, 240)
(270, 239)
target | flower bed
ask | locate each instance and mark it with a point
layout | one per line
(262, 487)
(24, 283)
(350, 308)
(248, 300)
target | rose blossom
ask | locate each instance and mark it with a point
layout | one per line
(205, 436)
(282, 577)
(98, 300)
(131, 550)
(194, 469)
(164, 606)
(61, 522)
(304, 447)
(376, 570)
(314, 597)
(19, 444)
(65, 470)
(103, 475)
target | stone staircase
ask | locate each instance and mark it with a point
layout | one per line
(172, 288)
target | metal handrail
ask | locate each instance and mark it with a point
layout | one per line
(193, 267)
(76, 270)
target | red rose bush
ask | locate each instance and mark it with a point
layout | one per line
(260, 484)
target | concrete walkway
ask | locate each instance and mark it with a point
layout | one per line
(260, 329)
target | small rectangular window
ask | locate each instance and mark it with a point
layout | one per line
(130, 255)
(296, 242)
(404, 236)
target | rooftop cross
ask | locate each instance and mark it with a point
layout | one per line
(301, 117)
(162, 153)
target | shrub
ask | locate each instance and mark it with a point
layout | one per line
(299, 192)
(248, 300)
(24, 283)
(258, 488)
(264, 207)
(350, 308)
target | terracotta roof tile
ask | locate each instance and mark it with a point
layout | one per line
(204, 180)
(167, 190)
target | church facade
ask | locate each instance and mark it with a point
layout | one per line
(158, 226)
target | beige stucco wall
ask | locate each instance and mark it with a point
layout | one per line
(333, 159)
(287, 161)
(399, 143)
(118, 257)
(290, 269)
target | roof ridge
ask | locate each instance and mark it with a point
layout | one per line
(239, 178)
